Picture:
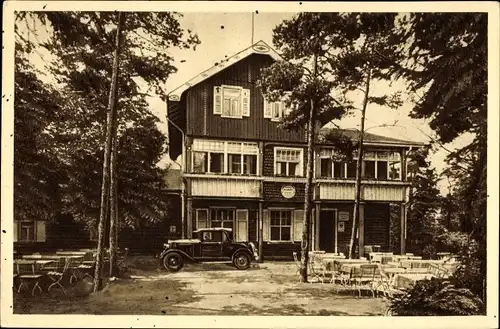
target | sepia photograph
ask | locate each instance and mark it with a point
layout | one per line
(249, 159)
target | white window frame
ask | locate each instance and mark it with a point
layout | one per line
(226, 153)
(233, 209)
(282, 111)
(292, 214)
(19, 229)
(388, 161)
(243, 94)
(343, 163)
(300, 165)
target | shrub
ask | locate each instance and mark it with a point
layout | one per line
(436, 297)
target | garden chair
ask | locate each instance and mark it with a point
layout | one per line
(296, 260)
(364, 277)
(316, 268)
(386, 283)
(25, 274)
(57, 275)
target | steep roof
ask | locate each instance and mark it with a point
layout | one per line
(371, 139)
(259, 47)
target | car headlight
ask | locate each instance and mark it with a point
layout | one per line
(166, 245)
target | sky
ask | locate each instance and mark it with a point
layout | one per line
(225, 34)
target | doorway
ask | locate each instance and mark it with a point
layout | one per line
(328, 230)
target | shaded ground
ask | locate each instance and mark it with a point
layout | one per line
(208, 289)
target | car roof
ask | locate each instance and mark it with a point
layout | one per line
(214, 229)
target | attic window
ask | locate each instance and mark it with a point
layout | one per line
(275, 110)
(231, 101)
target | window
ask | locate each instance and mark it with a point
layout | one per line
(281, 225)
(332, 165)
(382, 165)
(275, 110)
(224, 157)
(27, 231)
(288, 162)
(394, 166)
(231, 101)
(222, 217)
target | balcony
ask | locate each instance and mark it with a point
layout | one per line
(205, 185)
(394, 191)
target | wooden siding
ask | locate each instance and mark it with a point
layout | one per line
(245, 73)
(280, 251)
(336, 191)
(384, 193)
(225, 187)
(377, 225)
(272, 191)
(369, 192)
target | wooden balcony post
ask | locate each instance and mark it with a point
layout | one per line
(403, 228)
(260, 236)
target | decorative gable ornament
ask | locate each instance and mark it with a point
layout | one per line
(174, 98)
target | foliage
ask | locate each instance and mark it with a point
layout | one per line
(36, 167)
(82, 44)
(436, 297)
(445, 59)
(423, 220)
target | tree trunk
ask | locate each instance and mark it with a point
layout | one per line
(107, 155)
(306, 223)
(113, 202)
(359, 162)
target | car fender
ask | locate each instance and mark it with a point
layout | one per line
(246, 251)
(164, 253)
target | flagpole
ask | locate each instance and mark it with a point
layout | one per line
(252, 26)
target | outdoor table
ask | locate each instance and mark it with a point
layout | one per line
(33, 263)
(406, 280)
(71, 253)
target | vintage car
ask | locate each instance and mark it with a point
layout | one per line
(208, 245)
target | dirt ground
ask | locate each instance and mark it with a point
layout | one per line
(208, 289)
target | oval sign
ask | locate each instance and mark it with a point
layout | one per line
(288, 191)
(174, 98)
(260, 48)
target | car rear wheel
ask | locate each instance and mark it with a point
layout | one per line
(241, 261)
(173, 262)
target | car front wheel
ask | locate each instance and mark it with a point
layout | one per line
(173, 262)
(241, 261)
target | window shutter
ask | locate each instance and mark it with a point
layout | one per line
(266, 227)
(241, 225)
(245, 95)
(40, 231)
(298, 220)
(268, 110)
(15, 228)
(201, 218)
(217, 100)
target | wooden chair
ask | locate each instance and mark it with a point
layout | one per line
(26, 274)
(363, 277)
(58, 274)
(316, 268)
(296, 260)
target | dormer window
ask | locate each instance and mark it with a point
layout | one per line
(231, 101)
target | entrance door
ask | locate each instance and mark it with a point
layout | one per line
(327, 231)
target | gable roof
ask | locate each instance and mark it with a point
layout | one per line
(260, 47)
(371, 139)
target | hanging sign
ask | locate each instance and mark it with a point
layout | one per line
(341, 227)
(288, 191)
(343, 216)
